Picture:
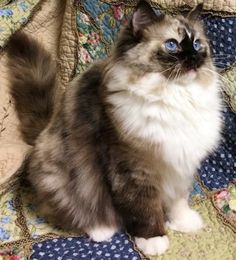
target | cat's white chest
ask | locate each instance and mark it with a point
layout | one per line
(183, 121)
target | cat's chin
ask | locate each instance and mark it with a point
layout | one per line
(191, 74)
(188, 76)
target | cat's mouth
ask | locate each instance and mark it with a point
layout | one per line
(182, 72)
(187, 68)
(191, 73)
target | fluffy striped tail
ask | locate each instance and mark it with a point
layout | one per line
(32, 76)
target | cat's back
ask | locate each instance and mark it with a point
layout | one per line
(84, 98)
(78, 112)
(70, 138)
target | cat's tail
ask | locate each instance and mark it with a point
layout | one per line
(32, 78)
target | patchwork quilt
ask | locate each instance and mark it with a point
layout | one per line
(93, 28)
(13, 15)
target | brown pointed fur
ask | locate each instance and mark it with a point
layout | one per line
(32, 84)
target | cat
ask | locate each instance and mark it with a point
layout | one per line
(120, 148)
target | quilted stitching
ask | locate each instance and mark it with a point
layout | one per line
(13, 16)
(68, 45)
(216, 5)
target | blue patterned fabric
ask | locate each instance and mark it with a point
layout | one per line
(119, 247)
(197, 191)
(219, 29)
(219, 169)
(100, 12)
(222, 35)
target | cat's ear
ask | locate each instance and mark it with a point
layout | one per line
(195, 13)
(142, 17)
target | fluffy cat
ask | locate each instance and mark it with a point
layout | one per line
(121, 148)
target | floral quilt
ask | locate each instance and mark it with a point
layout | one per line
(26, 235)
(13, 15)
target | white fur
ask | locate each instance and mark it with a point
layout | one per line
(153, 245)
(184, 219)
(99, 234)
(181, 118)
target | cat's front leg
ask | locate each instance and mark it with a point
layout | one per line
(152, 246)
(182, 218)
(144, 220)
(149, 232)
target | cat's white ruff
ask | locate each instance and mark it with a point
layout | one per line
(183, 119)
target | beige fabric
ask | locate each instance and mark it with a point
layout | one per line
(68, 45)
(45, 26)
(228, 6)
(216, 5)
(12, 148)
(4, 2)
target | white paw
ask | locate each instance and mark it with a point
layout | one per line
(186, 221)
(153, 245)
(99, 234)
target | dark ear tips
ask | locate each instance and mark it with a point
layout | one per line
(142, 17)
(195, 13)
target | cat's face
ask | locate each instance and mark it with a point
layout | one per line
(174, 46)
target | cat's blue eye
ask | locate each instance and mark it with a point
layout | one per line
(171, 45)
(197, 45)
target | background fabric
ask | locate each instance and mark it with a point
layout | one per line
(221, 6)
(77, 33)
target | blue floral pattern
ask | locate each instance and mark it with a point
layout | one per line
(5, 220)
(13, 15)
(10, 205)
(197, 192)
(106, 20)
(23, 6)
(6, 12)
(8, 215)
(4, 234)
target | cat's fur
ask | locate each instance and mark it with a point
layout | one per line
(122, 149)
(34, 75)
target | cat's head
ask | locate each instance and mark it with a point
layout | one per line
(175, 46)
